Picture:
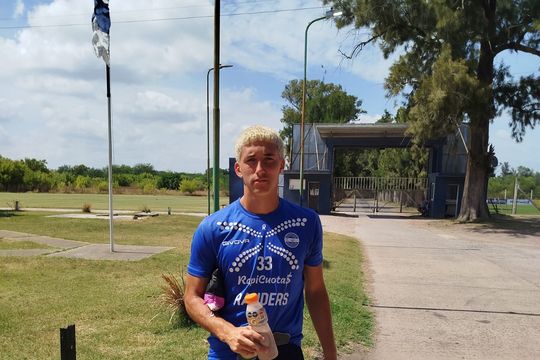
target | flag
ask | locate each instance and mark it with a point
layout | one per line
(101, 22)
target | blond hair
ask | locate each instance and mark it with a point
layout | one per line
(258, 133)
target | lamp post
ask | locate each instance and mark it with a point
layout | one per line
(329, 15)
(208, 132)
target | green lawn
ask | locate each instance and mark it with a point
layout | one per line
(178, 203)
(521, 209)
(113, 303)
(7, 244)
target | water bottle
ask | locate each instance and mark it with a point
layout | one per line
(258, 320)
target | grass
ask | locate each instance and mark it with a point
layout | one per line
(7, 244)
(114, 304)
(179, 203)
(521, 209)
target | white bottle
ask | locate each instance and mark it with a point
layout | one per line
(258, 320)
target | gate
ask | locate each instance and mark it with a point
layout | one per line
(375, 194)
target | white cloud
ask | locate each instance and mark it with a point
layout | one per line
(367, 119)
(55, 107)
(19, 9)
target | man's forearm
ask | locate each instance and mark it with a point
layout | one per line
(319, 309)
(202, 315)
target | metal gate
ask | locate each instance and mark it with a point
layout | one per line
(375, 194)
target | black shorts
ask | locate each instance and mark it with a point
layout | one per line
(288, 352)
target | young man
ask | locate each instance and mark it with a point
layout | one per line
(264, 244)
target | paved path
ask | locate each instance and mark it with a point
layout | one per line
(77, 249)
(448, 292)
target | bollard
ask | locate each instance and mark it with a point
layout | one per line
(67, 343)
(17, 206)
(169, 210)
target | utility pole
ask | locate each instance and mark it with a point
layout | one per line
(215, 170)
(514, 203)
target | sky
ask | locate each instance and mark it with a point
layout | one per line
(53, 90)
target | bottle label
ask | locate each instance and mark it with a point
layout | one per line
(257, 317)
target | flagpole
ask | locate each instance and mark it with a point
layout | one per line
(111, 212)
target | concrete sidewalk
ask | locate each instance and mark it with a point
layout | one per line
(56, 247)
(448, 292)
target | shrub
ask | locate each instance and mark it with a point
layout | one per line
(82, 182)
(103, 186)
(172, 297)
(87, 208)
(145, 209)
(189, 186)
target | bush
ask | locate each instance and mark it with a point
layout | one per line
(103, 186)
(87, 208)
(172, 297)
(189, 186)
(82, 182)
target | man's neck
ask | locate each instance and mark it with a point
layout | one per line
(259, 204)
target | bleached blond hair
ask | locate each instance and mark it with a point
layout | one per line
(258, 133)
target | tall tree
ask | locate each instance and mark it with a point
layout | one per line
(447, 71)
(325, 103)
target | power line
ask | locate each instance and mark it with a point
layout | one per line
(145, 10)
(163, 19)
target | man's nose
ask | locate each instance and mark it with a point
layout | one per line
(260, 167)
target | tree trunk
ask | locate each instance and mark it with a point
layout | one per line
(473, 205)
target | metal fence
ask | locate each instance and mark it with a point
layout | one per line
(379, 183)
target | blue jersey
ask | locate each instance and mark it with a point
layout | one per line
(265, 254)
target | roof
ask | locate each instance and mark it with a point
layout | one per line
(361, 130)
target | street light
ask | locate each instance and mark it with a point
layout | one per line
(329, 15)
(208, 132)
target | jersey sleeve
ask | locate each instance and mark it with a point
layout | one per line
(202, 261)
(314, 256)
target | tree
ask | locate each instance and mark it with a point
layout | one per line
(411, 162)
(523, 171)
(143, 168)
(447, 73)
(506, 169)
(325, 103)
(36, 165)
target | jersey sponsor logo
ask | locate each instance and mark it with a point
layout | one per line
(266, 299)
(292, 240)
(235, 242)
(264, 280)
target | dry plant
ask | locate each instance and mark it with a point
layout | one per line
(172, 297)
(87, 208)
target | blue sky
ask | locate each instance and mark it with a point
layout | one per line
(53, 95)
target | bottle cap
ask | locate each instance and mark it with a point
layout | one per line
(251, 298)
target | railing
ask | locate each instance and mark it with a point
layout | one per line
(379, 183)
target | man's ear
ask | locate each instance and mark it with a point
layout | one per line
(282, 165)
(237, 169)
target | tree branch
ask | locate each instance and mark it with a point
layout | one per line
(518, 47)
(360, 46)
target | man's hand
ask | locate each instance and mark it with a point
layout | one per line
(244, 341)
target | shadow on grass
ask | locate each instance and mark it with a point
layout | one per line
(513, 226)
(8, 213)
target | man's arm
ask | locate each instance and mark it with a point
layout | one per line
(318, 305)
(240, 339)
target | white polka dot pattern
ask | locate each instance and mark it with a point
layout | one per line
(243, 257)
(286, 254)
(287, 224)
(238, 226)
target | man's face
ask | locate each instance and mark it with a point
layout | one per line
(259, 167)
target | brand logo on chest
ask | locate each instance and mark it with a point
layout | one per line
(291, 240)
